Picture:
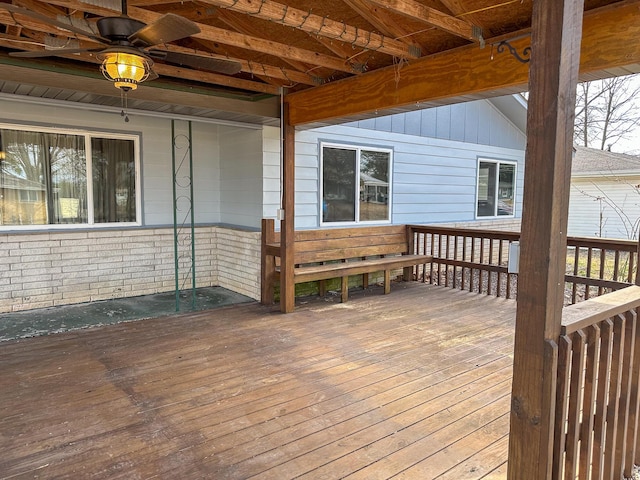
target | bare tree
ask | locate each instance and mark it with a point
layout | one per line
(607, 111)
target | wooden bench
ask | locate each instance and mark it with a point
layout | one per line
(320, 255)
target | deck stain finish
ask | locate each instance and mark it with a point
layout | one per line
(411, 385)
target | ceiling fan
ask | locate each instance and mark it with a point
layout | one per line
(128, 55)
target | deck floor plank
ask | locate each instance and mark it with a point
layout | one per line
(409, 385)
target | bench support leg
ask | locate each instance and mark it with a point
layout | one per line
(387, 282)
(365, 280)
(344, 293)
(407, 274)
(322, 287)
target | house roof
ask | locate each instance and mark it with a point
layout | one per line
(591, 162)
(303, 46)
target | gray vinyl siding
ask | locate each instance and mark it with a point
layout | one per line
(434, 180)
(616, 199)
(231, 163)
(241, 181)
(477, 122)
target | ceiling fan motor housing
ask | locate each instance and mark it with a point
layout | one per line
(119, 29)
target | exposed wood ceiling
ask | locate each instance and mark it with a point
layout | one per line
(294, 45)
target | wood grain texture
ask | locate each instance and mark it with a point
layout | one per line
(381, 384)
(556, 33)
(429, 78)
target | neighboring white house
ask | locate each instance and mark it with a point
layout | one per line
(605, 194)
(104, 223)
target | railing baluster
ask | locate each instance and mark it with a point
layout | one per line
(578, 347)
(624, 397)
(480, 272)
(464, 259)
(576, 266)
(600, 419)
(633, 455)
(587, 288)
(614, 395)
(499, 274)
(455, 257)
(562, 406)
(589, 402)
(603, 264)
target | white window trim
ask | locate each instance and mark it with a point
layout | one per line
(88, 135)
(515, 182)
(357, 149)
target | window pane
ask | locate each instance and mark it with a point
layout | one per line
(338, 185)
(506, 189)
(43, 178)
(114, 180)
(374, 185)
(487, 189)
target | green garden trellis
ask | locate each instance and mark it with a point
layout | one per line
(184, 242)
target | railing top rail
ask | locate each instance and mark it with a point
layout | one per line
(593, 242)
(604, 243)
(594, 310)
(471, 232)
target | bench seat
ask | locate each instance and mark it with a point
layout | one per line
(320, 255)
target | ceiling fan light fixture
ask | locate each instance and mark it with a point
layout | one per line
(125, 69)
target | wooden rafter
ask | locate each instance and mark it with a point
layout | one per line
(317, 25)
(261, 45)
(226, 37)
(460, 10)
(429, 16)
(383, 23)
(240, 25)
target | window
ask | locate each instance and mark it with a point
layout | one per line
(356, 184)
(49, 177)
(496, 188)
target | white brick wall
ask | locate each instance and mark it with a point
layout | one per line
(59, 268)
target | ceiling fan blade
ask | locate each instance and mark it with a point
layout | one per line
(167, 28)
(52, 53)
(218, 65)
(52, 21)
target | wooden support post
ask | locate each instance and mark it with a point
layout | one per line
(268, 267)
(556, 36)
(287, 225)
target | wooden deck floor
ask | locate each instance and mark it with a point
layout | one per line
(412, 385)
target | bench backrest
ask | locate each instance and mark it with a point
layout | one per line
(342, 243)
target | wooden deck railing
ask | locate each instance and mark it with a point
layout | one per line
(596, 424)
(476, 260)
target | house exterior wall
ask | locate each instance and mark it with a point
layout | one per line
(58, 266)
(602, 206)
(434, 178)
(241, 176)
(237, 181)
(46, 269)
(477, 122)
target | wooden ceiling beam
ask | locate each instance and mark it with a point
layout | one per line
(429, 16)
(317, 25)
(609, 40)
